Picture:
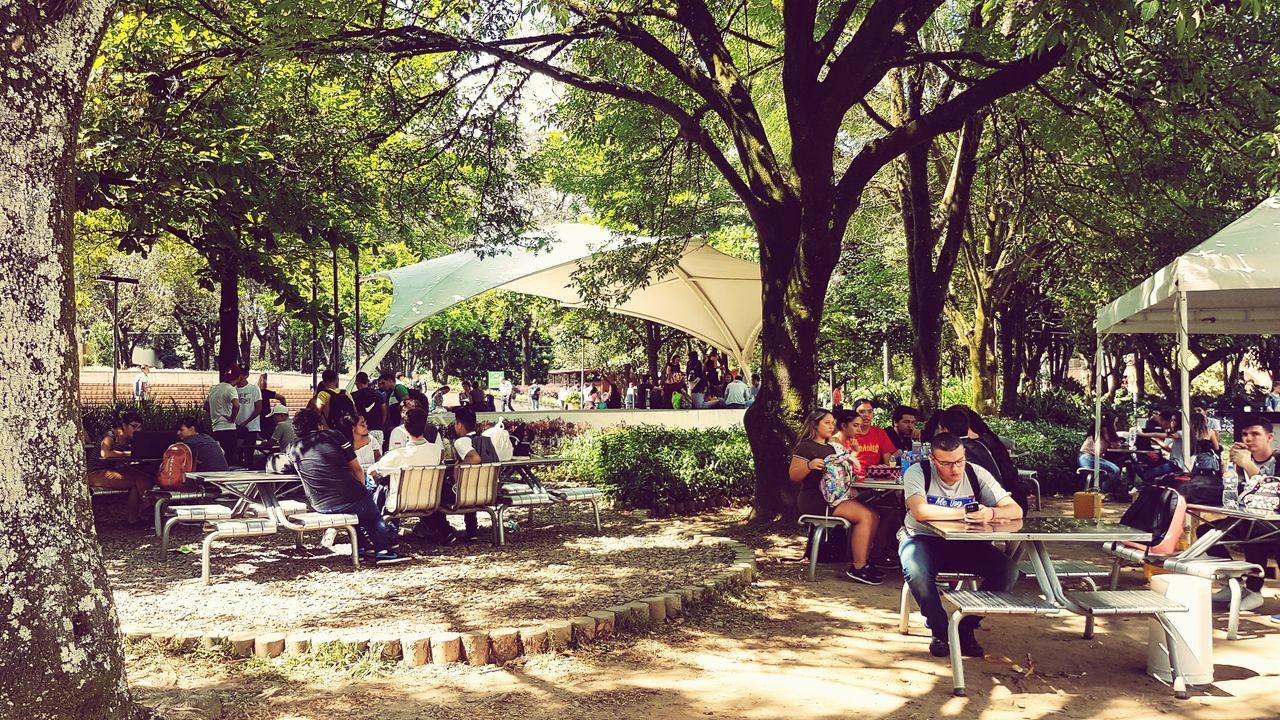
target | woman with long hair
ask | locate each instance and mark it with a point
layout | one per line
(808, 459)
(109, 469)
(1092, 451)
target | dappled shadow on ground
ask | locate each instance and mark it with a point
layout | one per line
(551, 570)
(785, 649)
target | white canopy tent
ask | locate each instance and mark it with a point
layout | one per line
(1227, 285)
(710, 295)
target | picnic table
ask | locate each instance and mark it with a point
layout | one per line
(1216, 534)
(1036, 533)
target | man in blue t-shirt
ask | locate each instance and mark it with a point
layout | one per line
(334, 482)
(946, 488)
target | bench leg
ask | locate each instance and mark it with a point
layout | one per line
(1088, 619)
(204, 556)
(595, 508)
(164, 536)
(355, 545)
(1233, 614)
(904, 610)
(1036, 484)
(160, 505)
(297, 541)
(1115, 573)
(957, 663)
(498, 536)
(815, 539)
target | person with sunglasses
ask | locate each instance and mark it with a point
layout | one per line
(948, 487)
(115, 445)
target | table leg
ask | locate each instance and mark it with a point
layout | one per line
(1207, 540)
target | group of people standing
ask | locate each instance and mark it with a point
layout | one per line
(966, 474)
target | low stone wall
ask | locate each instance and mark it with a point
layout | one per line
(481, 647)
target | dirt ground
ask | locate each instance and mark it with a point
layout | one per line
(784, 648)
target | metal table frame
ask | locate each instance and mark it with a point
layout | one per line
(1216, 533)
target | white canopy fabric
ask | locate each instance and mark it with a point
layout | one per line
(712, 296)
(1231, 281)
(1226, 285)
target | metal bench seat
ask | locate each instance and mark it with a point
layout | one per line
(983, 602)
(572, 494)
(1033, 479)
(906, 603)
(164, 498)
(323, 521)
(1212, 568)
(525, 496)
(1125, 602)
(190, 514)
(1070, 569)
(249, 527)
(818, 525)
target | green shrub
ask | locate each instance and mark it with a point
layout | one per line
(643, 465)
(1060, 406)
(159, 415)
(1046, 447)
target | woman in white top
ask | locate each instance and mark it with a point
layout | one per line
(367, 451)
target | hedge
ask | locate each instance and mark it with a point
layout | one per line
(643, 465)
(99, 419)
(1045, 447)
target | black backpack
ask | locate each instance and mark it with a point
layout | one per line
(1153, 510)
(969, 473)
(340, 404)
(484, 446)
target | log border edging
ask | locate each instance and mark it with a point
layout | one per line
(446, 647)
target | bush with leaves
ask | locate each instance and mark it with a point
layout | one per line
(1048, 448)
(98, 419)
(641, 466)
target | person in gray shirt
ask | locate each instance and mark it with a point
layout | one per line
(947, 487)
(205, 451)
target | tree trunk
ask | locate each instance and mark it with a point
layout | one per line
(229, 312)
(60, 652)
(653, 350)
(794, 290)
(982, 363)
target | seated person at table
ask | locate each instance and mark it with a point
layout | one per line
(115, 445)
(1110, 479)
(205, 451)
(283, 433)
(334, 482)
(1206, 450)
(874, 445)
(902, 431)
(807, 463)
(1252, 456)
(417, 452)
(939, 489)
(400, 434)
(471, 448)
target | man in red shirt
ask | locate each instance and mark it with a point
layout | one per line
(874, 445)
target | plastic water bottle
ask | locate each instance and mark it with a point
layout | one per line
(1231, 488)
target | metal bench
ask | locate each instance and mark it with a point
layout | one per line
(907, 603)
(818, 525)
(1210, 568)
(520, 495)
(475, 489)
(982, 602)
(1137, 603)
(1072, 570)
(164, 498)
(190, 514)
(415, 492)
(1033, 479)
(311, 521)
(253, 527)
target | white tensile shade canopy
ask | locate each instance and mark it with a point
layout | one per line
(1226, 285)
(710, 295)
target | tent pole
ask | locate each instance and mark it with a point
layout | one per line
(1184, 377)
(1094, 483)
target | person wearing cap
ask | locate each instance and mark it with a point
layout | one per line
(284, 432)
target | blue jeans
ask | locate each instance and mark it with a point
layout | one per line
(1111, 480)
(924, 556)
(373, 530)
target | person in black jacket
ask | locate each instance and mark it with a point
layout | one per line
(982, 446)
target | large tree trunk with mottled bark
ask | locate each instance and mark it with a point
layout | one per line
(229, 312)
(60, 651)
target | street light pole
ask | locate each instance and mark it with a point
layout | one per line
(115, 281)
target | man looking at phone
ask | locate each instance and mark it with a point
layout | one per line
(949, 488)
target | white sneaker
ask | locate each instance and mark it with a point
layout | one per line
(330, 537)
(1250, 600)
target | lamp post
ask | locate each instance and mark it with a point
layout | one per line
(115, 281)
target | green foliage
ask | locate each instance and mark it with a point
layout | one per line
(99, 419)
(955, 391)
(1045, 447)
(1060, 406)
(646, 464)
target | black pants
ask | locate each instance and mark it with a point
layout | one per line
(230, 442)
